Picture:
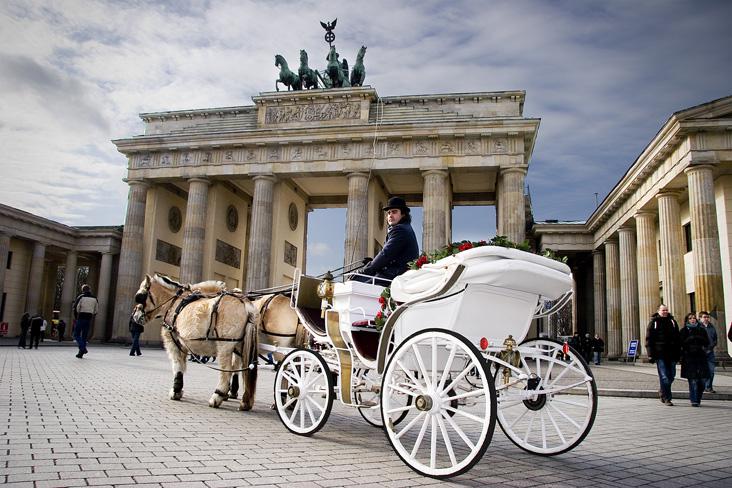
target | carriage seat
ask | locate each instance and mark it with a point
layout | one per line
(490, 265)
(365, 338)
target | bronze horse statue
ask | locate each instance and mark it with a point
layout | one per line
(288, 78)
(358, 73)
(308, 77)
(338, 78)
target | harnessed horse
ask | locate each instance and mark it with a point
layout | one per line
(203, 319)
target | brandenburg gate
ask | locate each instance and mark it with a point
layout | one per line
(224, 193)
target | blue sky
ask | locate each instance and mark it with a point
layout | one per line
(602, 75)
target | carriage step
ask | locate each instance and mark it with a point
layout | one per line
(368, 404)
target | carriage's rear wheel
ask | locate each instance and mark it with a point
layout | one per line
(552, 410)
(303, 392)
(436, 438)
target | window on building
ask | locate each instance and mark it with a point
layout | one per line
(687, 236)
(692, 302)
(10, 259)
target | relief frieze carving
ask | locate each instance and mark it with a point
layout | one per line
(422, 148)
(206, 158)
(297, 153)
(144, 161)
(313, 113)
(393, 148)
(166, 159)
(274, 153)
(471, 147)
(447, 147)
(499, 145)
(186, 158)
(228, 155)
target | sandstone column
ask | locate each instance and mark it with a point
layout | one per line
(672, 254)
(68, 291)
(260, 235)
(4, 249)
(194, 233)
(35, 279)
(129, 275)
(512, 215)
(105, 278)
(598, 282)
(648, 296)
(435, 201)
(612, 273)
(357, 216)
(628, 287)
(705, 245)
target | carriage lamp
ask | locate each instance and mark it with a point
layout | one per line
(510, 355)
(325, 292)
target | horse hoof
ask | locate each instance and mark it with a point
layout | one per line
(176, 395)
(215, 401)
(244, 408)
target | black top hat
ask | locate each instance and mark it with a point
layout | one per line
(396, 202)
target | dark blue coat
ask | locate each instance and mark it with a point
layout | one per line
(399, 249)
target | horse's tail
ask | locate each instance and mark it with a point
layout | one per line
(250, 349)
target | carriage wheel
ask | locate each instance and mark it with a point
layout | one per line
(372, 412)
(449, 422)
(552, 410)
(303, 392)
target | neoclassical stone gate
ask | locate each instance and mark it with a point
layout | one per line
(224, 193)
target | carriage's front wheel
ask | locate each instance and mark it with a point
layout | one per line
(303, 392)
(549, 409)
(449, 422)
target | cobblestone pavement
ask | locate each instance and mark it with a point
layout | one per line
(105, 420)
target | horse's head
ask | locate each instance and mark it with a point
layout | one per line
(153, 294)
(361, 53)
(303, 56)
(280, 60)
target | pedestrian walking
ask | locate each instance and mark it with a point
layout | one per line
(135, 330)
(61, 328)
(85, 309)
(24, 326)
(662, 344)
(598, 347)
(36, 322)
(694, 342)
(706, 324)
(587, 347)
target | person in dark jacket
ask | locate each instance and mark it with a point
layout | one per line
(399, 248)
(24, 326)
(662, 344)
(706, 324)
(598, 347)
(85, 309)
(36, 322)
(694, 341)
(135, 330)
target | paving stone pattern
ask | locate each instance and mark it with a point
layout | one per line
(106, 420)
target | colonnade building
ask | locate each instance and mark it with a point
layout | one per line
(225, 194)
(662, 235)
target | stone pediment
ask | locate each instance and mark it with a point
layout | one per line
(716, 109)
(308, 108)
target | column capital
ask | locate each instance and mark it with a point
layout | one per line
(627, 227)
(133, 182)
(514, 169)
(668, 193)
(699, 167)
(199, 179)
(645, 213)
(265, 176)
(598, 251)
(612, 240)
(354, 174)
(438, 172)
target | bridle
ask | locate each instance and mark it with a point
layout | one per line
(142, 298)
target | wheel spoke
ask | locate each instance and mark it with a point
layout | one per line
(433, 444)
(465, 414)
(551, 405)
(409, 374)
(569, 402)
(460, 376)
(556, 427)
(448, 444)
(518, 418)
(289, 402)
(466, 394)
(322, 409)
(418, 442)
(310, 413)
(434, 360)
(459, 431)
(294, 412)
(529, 427)
(418, 357)
(410, 424)
(398, 409)
(543, 429)
(448, 366)
(289, 378)
(402, 390)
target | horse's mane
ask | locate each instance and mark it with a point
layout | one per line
(210, 286)
(167, 282)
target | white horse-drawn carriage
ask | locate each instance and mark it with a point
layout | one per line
(449, 361)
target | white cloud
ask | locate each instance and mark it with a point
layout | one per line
(602, 77)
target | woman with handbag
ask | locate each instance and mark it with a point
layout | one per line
(136, 329)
